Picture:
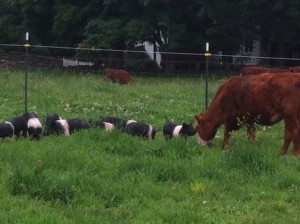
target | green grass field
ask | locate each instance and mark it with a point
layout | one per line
(98, 177)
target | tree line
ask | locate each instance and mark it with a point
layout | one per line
(174, 25)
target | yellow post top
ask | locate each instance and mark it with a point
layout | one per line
(27, 45)
(207, 54)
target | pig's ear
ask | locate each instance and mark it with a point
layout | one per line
(184, 124)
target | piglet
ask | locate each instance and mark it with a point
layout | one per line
(56, 125)
(28, 124)
(172, 130)
(69, 126)
(20, 125)
(137, 128)
(6, 129)
(50, 124)
(34, 126)
(106, 125)
(117, 122)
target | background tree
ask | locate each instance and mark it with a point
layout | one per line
(35, 17)
(170, 25)
(11, 27)
(277, 25)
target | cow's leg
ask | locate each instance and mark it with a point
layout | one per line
(251, 133)
(286, 142)
(250, 125)
(292, 133)
(297, 149)
(226, 139)
(227, 133)
(296, 140)
(228, 128)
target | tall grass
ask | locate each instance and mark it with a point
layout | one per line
(99, 177)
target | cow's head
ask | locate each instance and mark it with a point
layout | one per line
(205, 129)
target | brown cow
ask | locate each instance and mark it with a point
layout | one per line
(117, 75)
(255, 70)
(265, 99)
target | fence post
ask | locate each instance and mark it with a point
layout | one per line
(207, 54)
(27, 45)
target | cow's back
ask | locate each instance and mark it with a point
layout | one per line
(255, 70)
(271, 96)
(265, 95)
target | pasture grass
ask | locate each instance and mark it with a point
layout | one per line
(99, 177)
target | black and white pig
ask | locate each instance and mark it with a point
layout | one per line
(56, 125)
(172, 130)
(28, 124)
(34, 126)
(106, 125)
(7, 129)
(137, 128)
(50, 124)
(118, 123)
(69, 126)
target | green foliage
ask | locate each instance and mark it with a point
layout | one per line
(105, 34)
(176, 26)
(68, 16)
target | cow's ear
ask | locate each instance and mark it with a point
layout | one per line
(184, 124)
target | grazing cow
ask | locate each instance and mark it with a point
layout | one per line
(117, 75)
(255, 70)
(137, 128)
(27, 123)
(171, 130)
(265, 99)
(6, 129)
